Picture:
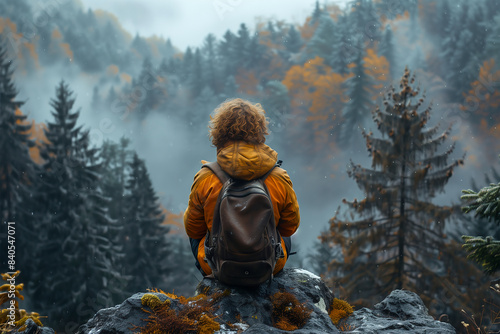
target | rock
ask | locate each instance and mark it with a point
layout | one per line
(401, 312)
(120, 318)
(32, 328)
(250, 310)
(253, 306)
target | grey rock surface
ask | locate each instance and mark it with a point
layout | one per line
(32, 328)
(250, 310)
(254, 307)
(400, 312)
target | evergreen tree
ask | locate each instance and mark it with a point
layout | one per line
(493, 40)
(227, 50)
(386, 49)
(143, 235)
(357, 109)
(116, 159)
(276, 103)
(398, 240)
(17, 169)
(322, 255)
(149, 93)
(324, 40)
(16, 166)
(293, 41)
(486, 204)
(196, 81)
(183, 274)
(211, 70)
(345, 49)
(317, 13)
(76, 237)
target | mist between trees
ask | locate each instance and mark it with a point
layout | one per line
(102, 133)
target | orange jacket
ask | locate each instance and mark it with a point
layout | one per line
(243, 161)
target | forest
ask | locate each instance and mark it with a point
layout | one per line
(382, 111)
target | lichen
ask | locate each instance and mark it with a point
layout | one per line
(288, 313)
(340, 309)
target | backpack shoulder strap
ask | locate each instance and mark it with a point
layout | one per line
(278, 164)
(217, 170)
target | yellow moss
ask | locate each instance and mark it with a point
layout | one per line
(150, 300)
(340, 309)
(337, 315)
(288, 313)
(194, 314)
(207, 325)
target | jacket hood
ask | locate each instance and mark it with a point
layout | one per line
(246, 161)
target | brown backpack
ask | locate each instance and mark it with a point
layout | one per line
(243, 246)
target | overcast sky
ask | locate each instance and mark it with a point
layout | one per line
(187, 22)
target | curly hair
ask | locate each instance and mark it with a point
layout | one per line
(238, 119)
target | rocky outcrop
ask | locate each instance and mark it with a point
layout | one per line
(401, 312)
(250, 310)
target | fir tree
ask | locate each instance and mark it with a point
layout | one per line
(357, 109)
(151, 96)
(211, 70)
(324, 40)
(17, 169)
(116, 159)
(227, 49)
(386, 48)
(345, 50)
(183, 274)
(493, 40)
(317, 13)
(76, 237)
(16, 166)
(486, 204)
(399, 241)
(143, 236)
(293, 41)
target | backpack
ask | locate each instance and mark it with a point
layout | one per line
(244, 245)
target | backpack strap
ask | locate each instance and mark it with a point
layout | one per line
(217, 170)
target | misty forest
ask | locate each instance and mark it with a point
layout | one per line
(382, 111)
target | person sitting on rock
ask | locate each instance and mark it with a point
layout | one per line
(238, 129)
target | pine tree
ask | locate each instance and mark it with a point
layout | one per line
(317, 13)
(183, 274)
(357, 109)
(16, 166)
(293, 41)
(150, 96)
(227, 50)
(75, 237)
(143, 235)
(17, 169)
(486, 204)
(398, 240)
(324, 40)
(345, 51)
(116, 159)
(386, 48)
(211, 70)
(493, 40)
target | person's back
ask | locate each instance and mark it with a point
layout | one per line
(238, 130)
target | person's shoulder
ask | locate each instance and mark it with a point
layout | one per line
(281, 175)
(203, 174)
